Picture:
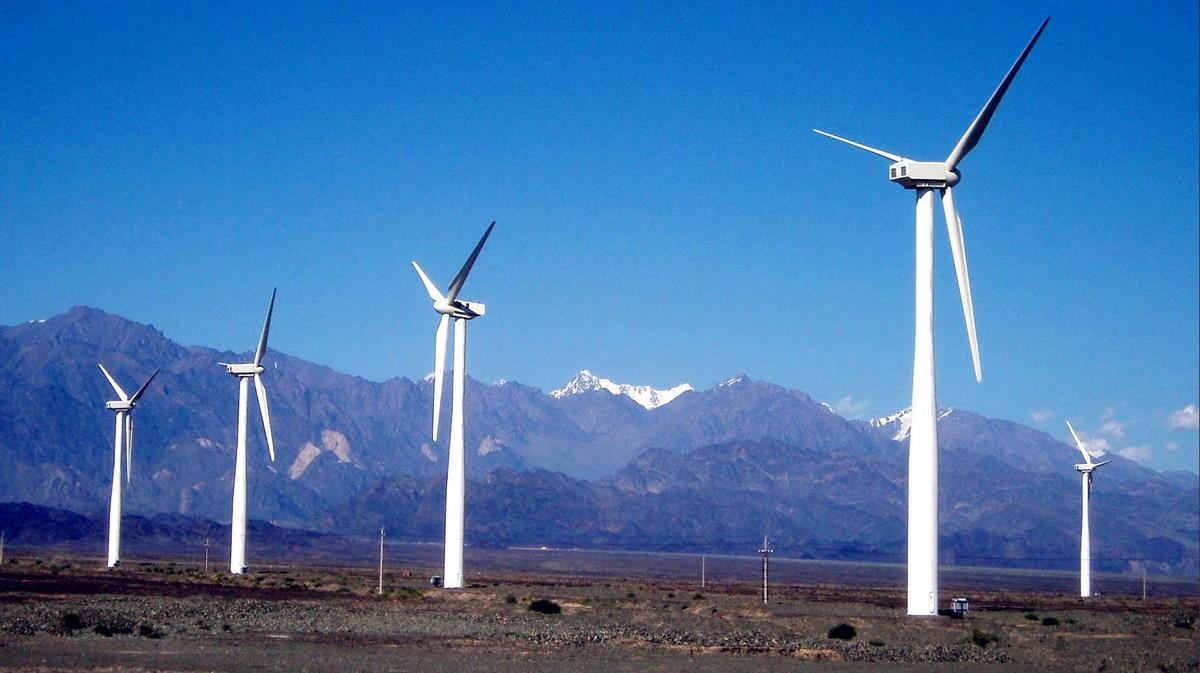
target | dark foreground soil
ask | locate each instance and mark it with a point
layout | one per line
(70, 616)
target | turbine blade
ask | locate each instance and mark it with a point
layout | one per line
(140, 391)
(115, 386)
(958, 248)
(1103, 462)
(266, 415)
(1086, 457)
(975, 131)
(457, 283)
(262, 340)
(434, 293)
(439, 370)
(128, 447)
(872, 150)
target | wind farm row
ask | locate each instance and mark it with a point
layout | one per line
(925, 178)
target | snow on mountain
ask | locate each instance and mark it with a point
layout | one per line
(902, 422)
(646, 396)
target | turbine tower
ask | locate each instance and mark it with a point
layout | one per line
(926, 177)
(1085, 469)
(245, 372)
(450, 306)
(123, 407)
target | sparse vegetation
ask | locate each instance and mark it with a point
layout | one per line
(983, 638)
(843, 631)
(1049, 621)
(545, 606)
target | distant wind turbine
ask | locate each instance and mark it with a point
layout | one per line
(244, 372)
(926, 177)
(450, 306)
(1085, 469)
(123, 407)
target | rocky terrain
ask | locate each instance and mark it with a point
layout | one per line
(60, 615)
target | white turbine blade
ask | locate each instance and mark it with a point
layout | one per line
(266, 415)
(975, 131)
(1103, 462)
(872, 150)
(128, 446)
(958, 248)
(142, 390)
(115, 386)
(439, 370)
(262, 340)
(457, 283)
(434, 293)
(1087, 458)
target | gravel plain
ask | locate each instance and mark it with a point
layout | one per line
(67, 615)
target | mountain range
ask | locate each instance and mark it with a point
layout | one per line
(594, 463)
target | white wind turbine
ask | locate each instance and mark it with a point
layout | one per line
(450, 306)
(1085, 470)
(123, 408)
(245, 372)
(926, 177)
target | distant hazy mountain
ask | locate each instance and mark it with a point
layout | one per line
(704, 469)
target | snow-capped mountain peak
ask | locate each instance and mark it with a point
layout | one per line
(902, 421)
(646, 396)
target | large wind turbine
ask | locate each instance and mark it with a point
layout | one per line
(926, 177)
(123, 408)
(244, 372)
(1085, 470)
(450, 306)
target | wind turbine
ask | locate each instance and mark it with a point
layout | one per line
(1085, 470)
(244, 372)
(123, 408)
(926, 177)
(450, 306)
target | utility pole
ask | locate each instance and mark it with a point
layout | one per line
(702, 560)
(766, 558)
(381, 560)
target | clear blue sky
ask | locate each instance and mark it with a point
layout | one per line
(665, 213)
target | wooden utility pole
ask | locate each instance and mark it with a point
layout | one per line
(766, 558)
(381, 560)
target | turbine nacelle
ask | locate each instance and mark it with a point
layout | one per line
(119, 405)
(242, 369)
(911, 174)
(1090, 467)
(460, 309)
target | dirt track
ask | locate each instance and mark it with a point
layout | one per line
(168, 617)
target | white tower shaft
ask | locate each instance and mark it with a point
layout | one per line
(114, 504)
(455, 472)
(237, 549)
(456, 485)
(1085, 543)
(923, 442)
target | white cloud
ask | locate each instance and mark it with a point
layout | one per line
(1172, 446)
(1043, 415)
(1113, 429)
(1097, 446)
(850, 407)
(1138, 453)
(1187, 418)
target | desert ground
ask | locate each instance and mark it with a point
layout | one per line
(616, 612)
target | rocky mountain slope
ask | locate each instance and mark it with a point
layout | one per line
(707, 470)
